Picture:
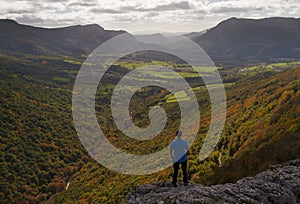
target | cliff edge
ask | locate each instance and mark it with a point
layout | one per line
(278, 184)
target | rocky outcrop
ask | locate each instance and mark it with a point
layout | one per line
(279, 184)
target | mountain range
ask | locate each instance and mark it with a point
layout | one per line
(73, 40)
(232, 40)
(262, 39)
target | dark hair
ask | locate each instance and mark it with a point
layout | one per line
(178, 133)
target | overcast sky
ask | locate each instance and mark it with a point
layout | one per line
(140, 15)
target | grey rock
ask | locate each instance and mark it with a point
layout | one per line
(279, 184)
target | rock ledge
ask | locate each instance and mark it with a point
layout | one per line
(279, 184)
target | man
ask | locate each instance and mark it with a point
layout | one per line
(178, 150)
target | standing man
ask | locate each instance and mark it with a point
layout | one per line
(179, 149)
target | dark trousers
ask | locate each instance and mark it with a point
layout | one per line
(176, 168)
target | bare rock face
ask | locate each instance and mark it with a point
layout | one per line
(279, 184)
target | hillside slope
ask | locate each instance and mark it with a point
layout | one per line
(262, 39)
(257, 134)
(73, 40)
(262, 127)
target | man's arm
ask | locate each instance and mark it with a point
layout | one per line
(171, 153)
(187, 151)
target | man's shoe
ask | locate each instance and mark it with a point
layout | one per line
(185, 183)
(174, 185)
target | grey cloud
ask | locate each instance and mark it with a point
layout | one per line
(55, 1)
(43, 6)
(198, 11)
(29, 19)
(40, 1)
(83, 4)
(21, 0)
(152, 14)
(109, 11)
(126, 19)
(227, 9)
(183, 5)
(20, 11)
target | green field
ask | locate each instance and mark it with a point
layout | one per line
(61, 79)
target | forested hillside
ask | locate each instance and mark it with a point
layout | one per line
(43, 160)
(263, 125)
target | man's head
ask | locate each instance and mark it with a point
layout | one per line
(178, 133)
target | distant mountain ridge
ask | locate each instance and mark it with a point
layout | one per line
(73, 40)
(260, 39)
(231, 41)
